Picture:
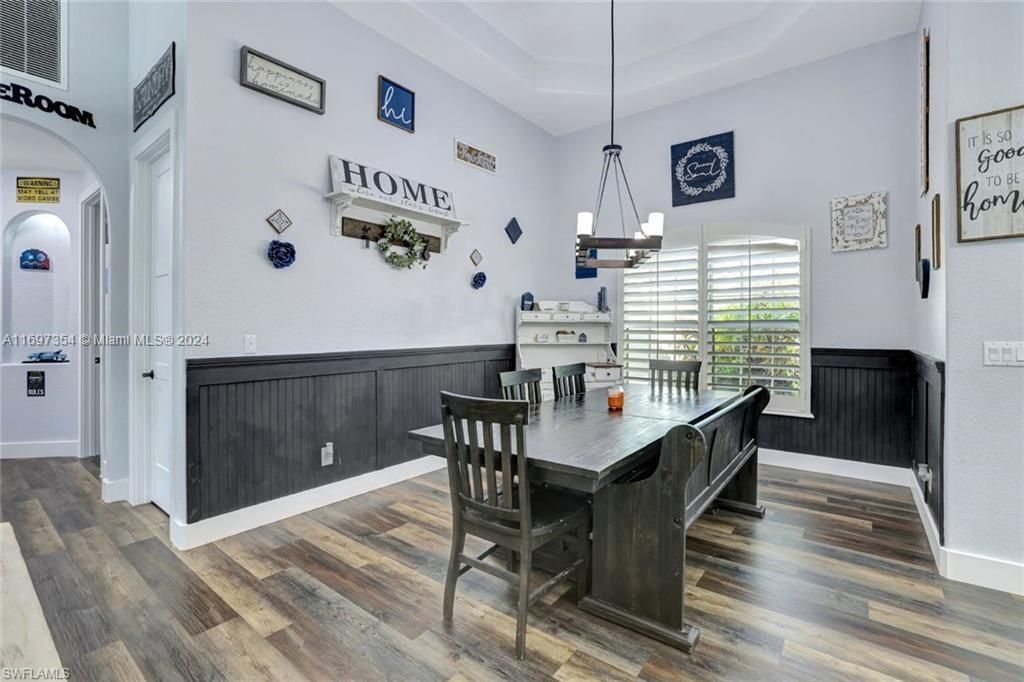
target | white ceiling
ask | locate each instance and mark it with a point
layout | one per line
(23, 147)
(548, 61)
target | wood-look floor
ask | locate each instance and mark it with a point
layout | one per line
(836, 583)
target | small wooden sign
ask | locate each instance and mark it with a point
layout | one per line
(263, 73)
(35, 384)
(154, 89)
(38, 190)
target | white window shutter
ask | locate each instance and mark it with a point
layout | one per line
(660, 311)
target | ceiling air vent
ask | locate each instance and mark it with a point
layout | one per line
(33, 39)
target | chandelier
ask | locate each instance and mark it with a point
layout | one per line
(647, 238)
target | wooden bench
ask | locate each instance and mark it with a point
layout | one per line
(640, 520)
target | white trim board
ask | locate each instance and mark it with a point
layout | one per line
(114, 491)
(188, 536)
(37, 449)
(996, 574)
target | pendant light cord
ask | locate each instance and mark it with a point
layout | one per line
(613, 71)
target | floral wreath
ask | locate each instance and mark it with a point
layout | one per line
(402, 231)
(723, 159)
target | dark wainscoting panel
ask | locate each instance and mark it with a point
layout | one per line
(928, 419)
(255, 425)
(861, 401)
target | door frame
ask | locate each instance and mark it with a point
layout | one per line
(93, 293)
(161, 138)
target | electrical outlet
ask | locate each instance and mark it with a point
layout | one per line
(250, 343)
(327, 455)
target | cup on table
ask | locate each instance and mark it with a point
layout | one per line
(616, 398)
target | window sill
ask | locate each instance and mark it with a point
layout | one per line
(788, 413)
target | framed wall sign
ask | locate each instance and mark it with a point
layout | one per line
(35, 384)
(467, 153)
(154, 89)
(37, 190)
(990, 175)
(703, 170)
(925, 94)
(396, 104)
(859, 222)
(936, 233)
(273, 77)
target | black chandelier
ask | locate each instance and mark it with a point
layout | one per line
(647, 238)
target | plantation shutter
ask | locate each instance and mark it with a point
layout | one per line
(31, 40)
(753, 315)
(660, 311)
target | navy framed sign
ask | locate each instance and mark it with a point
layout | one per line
(586, 273)
(703, 170)
(396, 104)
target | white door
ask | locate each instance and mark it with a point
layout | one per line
(161, 194)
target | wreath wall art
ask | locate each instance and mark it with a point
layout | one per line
(402, 232)
(703, 170)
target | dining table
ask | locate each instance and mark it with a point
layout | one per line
(580, 444)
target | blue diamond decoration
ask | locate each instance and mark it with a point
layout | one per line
(513, 230)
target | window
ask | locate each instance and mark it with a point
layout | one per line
(33, 40)
(734, 300)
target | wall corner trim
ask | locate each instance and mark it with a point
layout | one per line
(191, 535)
(995, 574)
(114, 491)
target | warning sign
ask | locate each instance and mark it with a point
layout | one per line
(39, 190)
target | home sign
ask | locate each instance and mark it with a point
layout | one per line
(367, 182)
(990, 175)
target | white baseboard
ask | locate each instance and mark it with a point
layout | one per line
(189, 535)
(38, 449)
(114, 491)
(964, 567)
(837, 467)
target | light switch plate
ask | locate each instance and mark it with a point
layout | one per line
(1004, 353)
(327, 454)
(250, 343)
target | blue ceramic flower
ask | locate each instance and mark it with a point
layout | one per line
(281, 254)
(479, 279)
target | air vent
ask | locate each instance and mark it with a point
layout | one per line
(32, 39)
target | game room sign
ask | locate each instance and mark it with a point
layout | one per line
(19, 94)
(38, 190)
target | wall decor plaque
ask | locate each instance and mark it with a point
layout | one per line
(925, 95)
(703, 170)
(396, 104)
(34, 259)
(279, 220)
(467, 153)
(859, 222)
(273, 77)
(936, 233)
(990, 175)
(35, 384)
(154, 89)
(37, 190)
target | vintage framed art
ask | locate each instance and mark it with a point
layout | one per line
(396, 105)
(154, 89)
(990, 175)
(925, 95)
(287, 83)
(474, 156)
(859, 222)
(936, 233)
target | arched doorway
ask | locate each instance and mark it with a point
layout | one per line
(52, 250)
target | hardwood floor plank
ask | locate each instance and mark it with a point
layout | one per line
(196, 606)
(837, 583)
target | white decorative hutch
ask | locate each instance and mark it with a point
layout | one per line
(563, 333)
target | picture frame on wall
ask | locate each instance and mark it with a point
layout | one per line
(272, 77)
(925, 96)
(703, 169)
(474, 156)
(936, 233)
(396, 104)
(990, 175)
(859, 222)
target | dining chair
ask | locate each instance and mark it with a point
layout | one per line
(679, 373)
(480, 436)
(523, 384)
(569, 379)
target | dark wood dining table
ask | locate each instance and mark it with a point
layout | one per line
(578, 443)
